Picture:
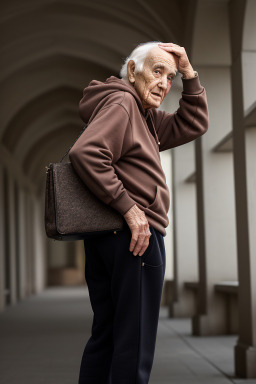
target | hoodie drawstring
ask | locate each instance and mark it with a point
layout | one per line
(156, 137)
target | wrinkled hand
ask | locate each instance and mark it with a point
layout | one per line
(139, 226)
(183, 64)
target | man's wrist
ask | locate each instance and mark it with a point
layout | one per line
(190, 75)
(192, 86)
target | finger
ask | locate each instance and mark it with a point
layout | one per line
(139, 244)
(175, 50)
(172, 48)
(143, 249)
(145, 243)
(134, 239)
(168, 44)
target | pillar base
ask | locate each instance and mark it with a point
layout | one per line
(200, 325)
(245, 361)
(204, 325)
(182, 309)
(167, 294)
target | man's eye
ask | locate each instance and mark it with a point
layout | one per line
(156, 71)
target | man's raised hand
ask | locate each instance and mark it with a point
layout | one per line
(183, 64)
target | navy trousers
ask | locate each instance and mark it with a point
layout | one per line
(125, 293)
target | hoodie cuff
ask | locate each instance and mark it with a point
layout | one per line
(192, 86)
(123, 203)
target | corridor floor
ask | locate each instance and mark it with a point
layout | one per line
(42, 340)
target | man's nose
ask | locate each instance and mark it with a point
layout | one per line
(163, 82)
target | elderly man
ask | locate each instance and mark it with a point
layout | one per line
(118, 158)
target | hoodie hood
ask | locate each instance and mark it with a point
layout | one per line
(98, 90)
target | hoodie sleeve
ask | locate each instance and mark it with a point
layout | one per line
(97, 149)
(189, 121)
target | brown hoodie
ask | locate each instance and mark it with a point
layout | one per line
(117, 156)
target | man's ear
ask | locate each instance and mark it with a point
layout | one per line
(130, 71)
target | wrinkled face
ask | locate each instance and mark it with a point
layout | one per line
(154, 82)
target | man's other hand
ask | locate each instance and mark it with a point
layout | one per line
(139, 226)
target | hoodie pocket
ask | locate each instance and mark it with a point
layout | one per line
(155, 202)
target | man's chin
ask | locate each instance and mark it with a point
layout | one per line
(155, 105)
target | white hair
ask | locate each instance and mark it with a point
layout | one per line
(138, 55)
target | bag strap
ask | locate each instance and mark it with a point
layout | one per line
(74, 141)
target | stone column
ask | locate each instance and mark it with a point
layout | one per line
(245, 182)
(2, 240)
(29, 248)
(39, 246)
(22, 242)
(242, 26)
(244, 162)
(245, 349)
(11, 227)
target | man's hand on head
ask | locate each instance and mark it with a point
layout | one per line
(183, 64)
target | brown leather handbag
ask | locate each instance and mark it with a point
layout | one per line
(72, 211)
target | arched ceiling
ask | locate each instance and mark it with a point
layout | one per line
(51, 50)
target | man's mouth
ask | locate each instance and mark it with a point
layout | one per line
(156, 94)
